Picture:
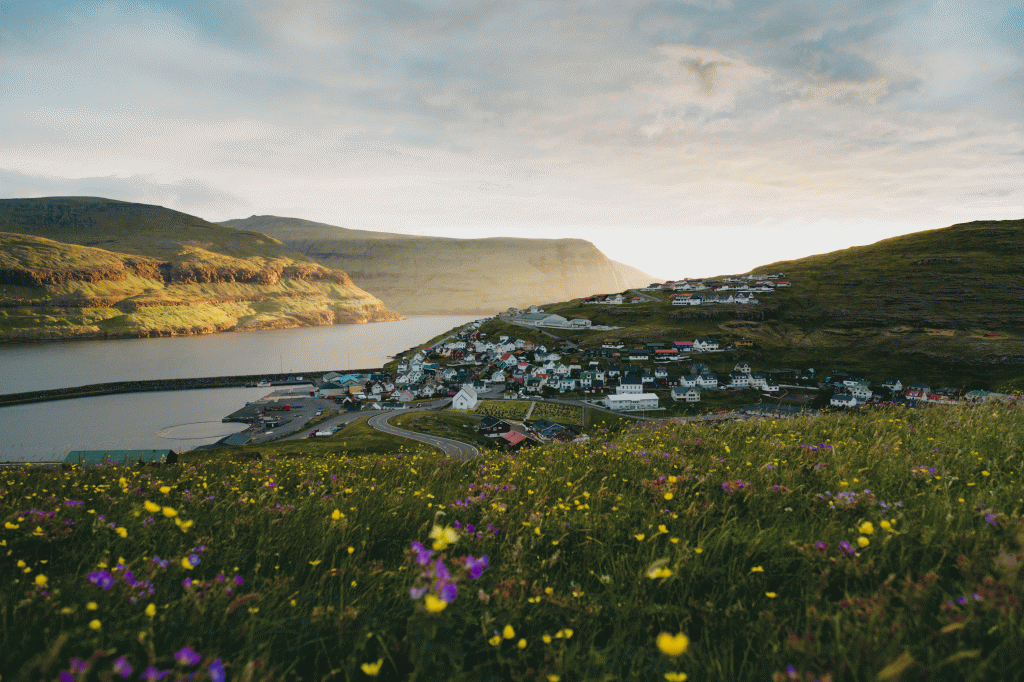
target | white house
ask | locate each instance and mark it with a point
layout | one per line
(631, 385)
(705, 344)
(690, 395)
(739, 380)
(465, 399)
(861, 392)
(633, 401)
(843, 400)
(709, 380)
(893, 385)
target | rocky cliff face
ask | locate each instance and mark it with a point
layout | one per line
(434, 275)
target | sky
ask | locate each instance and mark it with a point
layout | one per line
(683, 137)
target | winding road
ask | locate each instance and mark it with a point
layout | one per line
(452, 448)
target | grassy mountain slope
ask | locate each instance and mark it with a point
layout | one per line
(943, 306)
(158, 272)
(437, 275)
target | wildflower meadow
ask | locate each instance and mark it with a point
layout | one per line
(881, 545)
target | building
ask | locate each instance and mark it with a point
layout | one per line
(465, 399)
(690, 395)
(85, 457)
(631, 401)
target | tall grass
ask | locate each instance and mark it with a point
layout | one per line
(878, 545)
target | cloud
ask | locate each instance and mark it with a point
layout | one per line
(706, 73)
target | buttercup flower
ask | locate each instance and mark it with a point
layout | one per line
(372, 669)
(672, 645)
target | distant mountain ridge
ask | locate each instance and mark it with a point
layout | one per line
(87, 267)
(442, 275)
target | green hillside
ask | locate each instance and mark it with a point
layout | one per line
(142, 229)
(438, 275)
(942, 306)
(95, 268)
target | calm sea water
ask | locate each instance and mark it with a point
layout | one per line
(42, 431)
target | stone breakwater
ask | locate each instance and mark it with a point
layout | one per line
(145, 385)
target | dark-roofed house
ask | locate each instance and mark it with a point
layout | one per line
(492, 426)
(84, 457)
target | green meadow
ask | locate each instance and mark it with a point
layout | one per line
(884, 544)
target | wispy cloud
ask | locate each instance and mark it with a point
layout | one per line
(529, 118)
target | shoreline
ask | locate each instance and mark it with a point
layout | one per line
(147, 385)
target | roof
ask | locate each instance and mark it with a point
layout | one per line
(118, 456)
(513, 437)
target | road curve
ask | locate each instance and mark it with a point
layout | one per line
(452, 448)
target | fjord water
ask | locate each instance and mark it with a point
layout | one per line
(46, 431)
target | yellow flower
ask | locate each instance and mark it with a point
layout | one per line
(351, 549)
(91, 606)
(336, 514)
(372, 669)
(566, 633)
(66, 610)
(185, 563)
(757, 569)
(546, 638)
(508, 632)
(727, 449)
(697, 550)
(673, 645)
(553, 678)
(863, 541)
(41, 580)
(165, 489)
(662, 528)
(668, 496)
(494, 641)
(866, 528)
(95, 624)
(770, 595)
(123, 532)
(314, 563)
(659, 572)
(11, 526)
(434, 604)
(521, 644)
(184, 525)
(675, 677)
(985, 473)
(151, 610)
(888, 526)
(639, 536)
(254, 609)
(170, 512)
(151, 507)
(21, 563)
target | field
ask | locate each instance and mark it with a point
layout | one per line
(884, 544)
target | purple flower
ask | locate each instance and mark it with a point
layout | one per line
(193, 559)
(79, 665)
(457, 525)
(102, 579)
(65, 676)
(187, 582)
(417, 592)
(220, 577)
(846, 547)
(470, 529)
(991, 518)
(448, 592)
(962, 601)
(441, 571)
(122, 667)
(476, 566)
(976, 596)
(422, 554)
(822, 546)
(186, 655)
(151, 674)
(238, 580)
(217, 671)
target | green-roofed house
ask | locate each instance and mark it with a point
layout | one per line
(120, 456)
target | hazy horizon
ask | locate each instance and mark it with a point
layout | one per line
(683, 138)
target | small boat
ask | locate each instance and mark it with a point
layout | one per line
(263, 384)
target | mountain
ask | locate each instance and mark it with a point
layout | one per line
(439, 275)
(944, 306)
(85, 267)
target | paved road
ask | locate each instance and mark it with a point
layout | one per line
(450, 447)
